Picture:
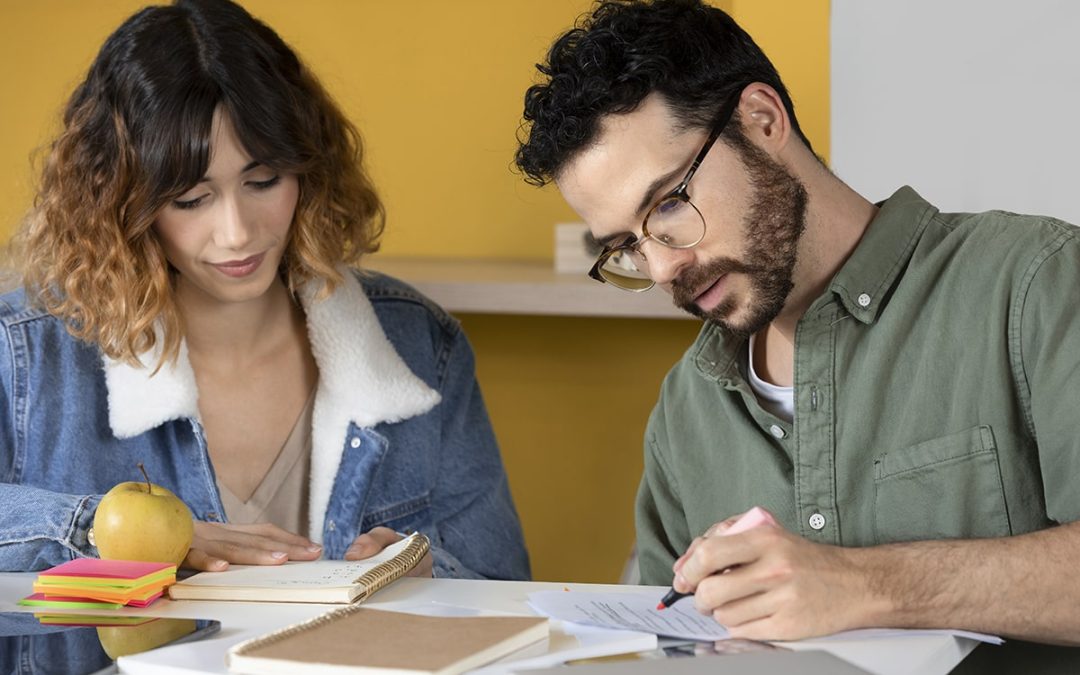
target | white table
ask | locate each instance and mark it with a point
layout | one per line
(918, 654)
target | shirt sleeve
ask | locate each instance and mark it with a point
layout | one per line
(38, 528)
(662, 532)
(479, 535)
(1050, 362)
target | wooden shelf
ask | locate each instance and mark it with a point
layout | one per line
(484, 286)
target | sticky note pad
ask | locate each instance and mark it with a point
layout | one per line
(65, 602)
(115, 573)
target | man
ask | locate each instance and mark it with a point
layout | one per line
(897, 386)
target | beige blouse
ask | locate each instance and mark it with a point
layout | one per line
(282, 496)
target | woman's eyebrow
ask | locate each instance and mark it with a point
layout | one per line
(248, 167)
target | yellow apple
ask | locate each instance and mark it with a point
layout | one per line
(142, 521)
(120, 641)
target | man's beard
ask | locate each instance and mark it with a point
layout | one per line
(773, 227)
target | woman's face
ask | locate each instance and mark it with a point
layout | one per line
(226, 235)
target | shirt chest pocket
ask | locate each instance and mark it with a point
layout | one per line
(945, 488)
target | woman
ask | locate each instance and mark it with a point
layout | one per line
(189, 303)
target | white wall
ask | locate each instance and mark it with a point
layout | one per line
(974, 103)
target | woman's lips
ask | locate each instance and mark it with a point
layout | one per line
(240, 268)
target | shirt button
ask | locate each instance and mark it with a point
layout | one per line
(817, 521)
(864, 300)
(777, 431)
(355, 442)
(330, 526)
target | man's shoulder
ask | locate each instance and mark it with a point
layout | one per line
(993, 249)
(1005, 234)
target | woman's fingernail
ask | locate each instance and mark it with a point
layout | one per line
(220, 564)
(279, 555)
(314, 548)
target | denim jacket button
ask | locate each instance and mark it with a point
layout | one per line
(355, 442)
(330, 526)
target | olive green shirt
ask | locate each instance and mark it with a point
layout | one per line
(937, 395)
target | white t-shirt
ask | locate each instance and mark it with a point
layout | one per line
(780, 401)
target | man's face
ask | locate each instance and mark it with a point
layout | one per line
(741, 273)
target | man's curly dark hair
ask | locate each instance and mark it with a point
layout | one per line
(692, 54)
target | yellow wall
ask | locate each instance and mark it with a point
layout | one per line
(795, 36)
(437, 93)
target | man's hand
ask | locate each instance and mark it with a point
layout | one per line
(375, 540)
(215, 545)
(769, 584)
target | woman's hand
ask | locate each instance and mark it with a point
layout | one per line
(215, 545)
(375, 540)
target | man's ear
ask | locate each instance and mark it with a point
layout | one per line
(764, 119)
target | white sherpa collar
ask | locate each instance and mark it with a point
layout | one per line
(362, 379)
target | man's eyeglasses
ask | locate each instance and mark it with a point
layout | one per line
(673, 221)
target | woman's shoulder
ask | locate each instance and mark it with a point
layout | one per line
(396, 300)
(26, 328)
(16, 308)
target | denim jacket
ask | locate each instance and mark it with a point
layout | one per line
(400, 435)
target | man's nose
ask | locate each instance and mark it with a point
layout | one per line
(665, 263)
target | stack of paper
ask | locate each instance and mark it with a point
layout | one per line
(636, 610)
(89, 583)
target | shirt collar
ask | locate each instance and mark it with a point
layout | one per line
(862, 284)
(360, 372)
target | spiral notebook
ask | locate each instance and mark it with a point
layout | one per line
(318, 581)
(359, 639)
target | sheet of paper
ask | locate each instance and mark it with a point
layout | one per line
(637, 611)
(315, 573)
(631, 611)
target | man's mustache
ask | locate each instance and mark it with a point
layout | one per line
(691, 282)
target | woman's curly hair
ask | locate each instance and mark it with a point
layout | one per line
(136, 135)
(693, 55)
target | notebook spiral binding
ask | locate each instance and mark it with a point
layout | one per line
(385, 572)
(374, 579)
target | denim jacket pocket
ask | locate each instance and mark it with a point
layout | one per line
(945, 488)
(411, 515)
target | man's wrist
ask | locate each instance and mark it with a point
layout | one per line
(876, 587)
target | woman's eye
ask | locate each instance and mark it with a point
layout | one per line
(188, 203)
(265, 184)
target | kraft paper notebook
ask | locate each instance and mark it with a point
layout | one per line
(319, 581)
(359, 639)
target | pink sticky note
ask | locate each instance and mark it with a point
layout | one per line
(110, 569)
(144, 603)
(749, 520)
